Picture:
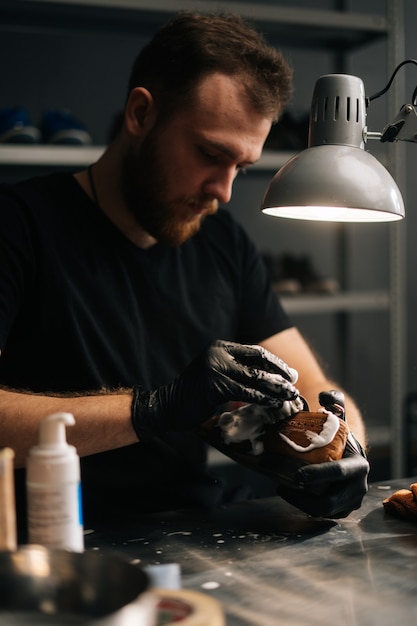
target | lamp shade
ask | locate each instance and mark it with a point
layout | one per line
(335, 179)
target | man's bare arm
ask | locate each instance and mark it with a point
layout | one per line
(290, 346)
(102, 422)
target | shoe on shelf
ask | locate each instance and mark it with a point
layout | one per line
(59, 126)
(283, 281)
(16, 126)
(293, 274)
(312, 281)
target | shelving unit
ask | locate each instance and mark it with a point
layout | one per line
(54, 156)
(334, 31)
(347, 302)
(297, 26)
(41, 155)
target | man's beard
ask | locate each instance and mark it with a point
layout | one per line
(145, 196)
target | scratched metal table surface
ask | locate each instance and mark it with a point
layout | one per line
(269, 564)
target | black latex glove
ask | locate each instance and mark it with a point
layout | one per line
(224, 371)
(332, 489)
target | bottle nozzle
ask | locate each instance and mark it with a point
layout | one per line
(52, 429)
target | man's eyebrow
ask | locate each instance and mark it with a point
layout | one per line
(227, 151)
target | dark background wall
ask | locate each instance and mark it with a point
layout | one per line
(87, 71)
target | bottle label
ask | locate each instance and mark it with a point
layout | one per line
(55, 516)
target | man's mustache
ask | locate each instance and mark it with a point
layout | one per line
(208, 205)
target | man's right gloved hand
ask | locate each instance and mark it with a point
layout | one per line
(334, 488)
(224, 371)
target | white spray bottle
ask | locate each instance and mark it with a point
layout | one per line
(54, 488)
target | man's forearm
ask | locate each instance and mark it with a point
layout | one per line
(102, 422)
(355, 421)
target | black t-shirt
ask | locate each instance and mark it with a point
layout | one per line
(82, 308)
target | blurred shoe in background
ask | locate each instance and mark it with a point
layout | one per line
(282, 279)
(292, 274)
(59, 126)
(310, 278)
(16, 126)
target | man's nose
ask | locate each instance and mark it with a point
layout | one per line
(220, 185)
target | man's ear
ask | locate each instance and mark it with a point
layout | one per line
(140, 111)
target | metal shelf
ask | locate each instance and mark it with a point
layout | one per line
(344, 302)
(56, 156)
(336, 30)
(41, 155)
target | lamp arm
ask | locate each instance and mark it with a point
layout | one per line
(371, 134)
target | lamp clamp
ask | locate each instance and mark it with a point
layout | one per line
(403, 127)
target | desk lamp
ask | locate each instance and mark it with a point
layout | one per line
(335, 179)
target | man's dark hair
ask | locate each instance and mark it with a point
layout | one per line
(192, 45)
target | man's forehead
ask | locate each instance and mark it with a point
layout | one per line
(223, 99)
(218, 86)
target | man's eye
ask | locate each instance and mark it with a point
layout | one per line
(217, 158)
(208, 155)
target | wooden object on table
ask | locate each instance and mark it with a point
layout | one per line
(7, 501)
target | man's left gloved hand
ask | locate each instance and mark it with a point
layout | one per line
(331, 489)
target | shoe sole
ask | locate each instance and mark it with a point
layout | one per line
(23, 134)
(70, 137)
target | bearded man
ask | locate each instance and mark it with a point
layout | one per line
(131, 300)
